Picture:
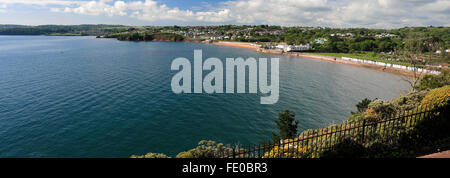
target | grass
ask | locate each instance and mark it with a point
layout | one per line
(369, 55)
(437, 58)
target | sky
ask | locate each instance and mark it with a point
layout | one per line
(328, 13)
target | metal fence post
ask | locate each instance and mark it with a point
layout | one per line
(363, 131)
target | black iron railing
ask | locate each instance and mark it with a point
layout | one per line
(312, 143)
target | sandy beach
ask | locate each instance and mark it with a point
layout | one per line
(314, 56)
(238, 45)
(338, 60)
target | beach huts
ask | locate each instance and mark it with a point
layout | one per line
(387, 65)
(343, 35)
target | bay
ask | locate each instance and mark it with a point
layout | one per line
(88, 97)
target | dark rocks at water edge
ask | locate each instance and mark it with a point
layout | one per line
(146, 36)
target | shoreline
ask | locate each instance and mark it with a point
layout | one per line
(237, 45)
(339, 60)
(315, 56)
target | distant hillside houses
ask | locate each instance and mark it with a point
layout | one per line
(343, 35)
(320, 40)
(385, 35)
(439, 51)
(219, 38)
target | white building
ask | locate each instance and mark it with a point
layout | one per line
(293, 48)
(385, 35)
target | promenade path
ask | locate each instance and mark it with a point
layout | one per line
(443, 154)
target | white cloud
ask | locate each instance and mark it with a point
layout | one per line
(343, 13)
(99, 8)
(3, 8)
(242, 11)
(390, 13)
(41, 2)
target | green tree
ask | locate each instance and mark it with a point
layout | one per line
(367, 45)
(287, 126)
(362, 105)
(355, 46)
(341, 47)
(414, 47)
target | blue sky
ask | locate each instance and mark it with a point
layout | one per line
(332, 13)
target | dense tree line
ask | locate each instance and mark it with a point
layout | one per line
(360, 39)
(341, 45)
(60, 29)
(148, 36)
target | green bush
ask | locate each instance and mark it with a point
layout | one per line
(356, 117)
(430, 81)
(206, 149)
(150, 155)
(437, 98)
(381, 109)
(410, 101)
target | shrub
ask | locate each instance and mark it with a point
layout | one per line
(356, 117)
(150, 155)
(291, 149)
(206, 149)
(371, 113)
(410, 101)
(437, 98)
(380, 109)
(434, 81)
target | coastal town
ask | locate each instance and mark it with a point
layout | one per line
(317, 43)
(381, 43)
(380, 48)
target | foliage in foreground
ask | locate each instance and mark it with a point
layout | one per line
(150, 155)
(430, 81)
(206, 149)
(437, 98)
(409, 137)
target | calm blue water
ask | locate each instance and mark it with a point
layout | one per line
(87, 97)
